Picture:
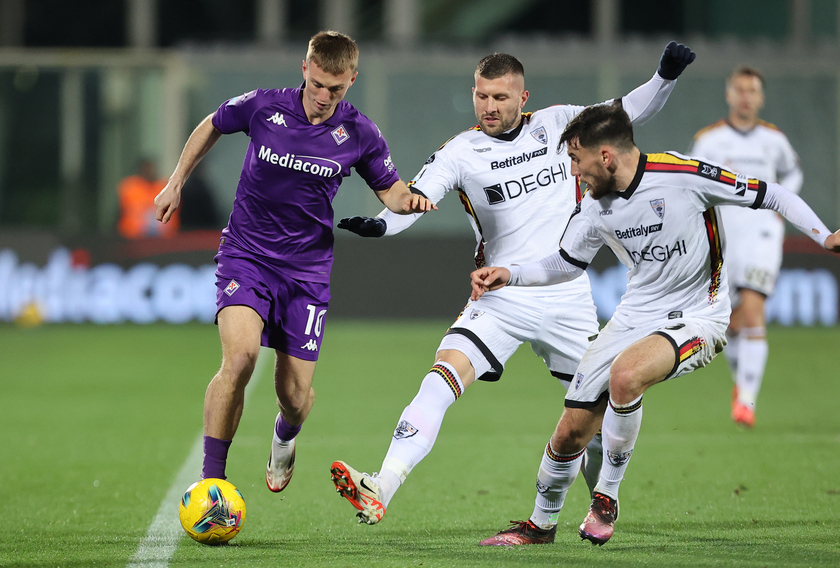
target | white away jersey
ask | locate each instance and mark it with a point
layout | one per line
(517, 189)
(664, 228)
(764, 153)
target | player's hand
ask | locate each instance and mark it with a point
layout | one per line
(674, 60)
(488, 278)
(167, 201)
(832, 243)
(417, 203)
(364, 226)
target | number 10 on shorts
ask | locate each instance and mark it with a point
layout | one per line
(317, 321)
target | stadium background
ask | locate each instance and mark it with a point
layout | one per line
(102, 423)
(88, 88)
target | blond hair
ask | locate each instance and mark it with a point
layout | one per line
(333, 52)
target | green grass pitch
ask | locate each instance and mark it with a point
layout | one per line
(98, 420)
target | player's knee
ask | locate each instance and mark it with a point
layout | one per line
(296, 401)
(569, 437)
(625, 382)
(238, 367)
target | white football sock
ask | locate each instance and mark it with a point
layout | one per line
(555, 476)
(731, 354)
(752, 358)
(622, 423)
(418, 427)
(592, 459)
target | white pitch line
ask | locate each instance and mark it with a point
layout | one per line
(161, 540)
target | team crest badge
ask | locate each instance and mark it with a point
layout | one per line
(475, 314)
(540, 135)
(340, 135)
(658, 207)
(232, 287)
(618, 459)
(404, 430)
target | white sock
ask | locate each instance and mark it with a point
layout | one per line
(418, 427)
(591, 467)
(556, 474)
(752, 358)
(731, 354)
(622, 423)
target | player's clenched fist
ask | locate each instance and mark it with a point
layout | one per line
(166, 202)
(488, 278)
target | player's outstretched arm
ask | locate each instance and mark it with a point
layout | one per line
(400, 200)
(198, 144)
(643, 102)
(488, 278)
(800, 215)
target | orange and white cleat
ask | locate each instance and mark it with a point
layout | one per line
(281, 465)
(361, 490)
(743, 414)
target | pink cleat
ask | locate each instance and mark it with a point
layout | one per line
(521, 532)
(599, 524)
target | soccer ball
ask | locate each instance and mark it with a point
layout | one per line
(212, 511)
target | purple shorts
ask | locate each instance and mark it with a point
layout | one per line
(293, 311)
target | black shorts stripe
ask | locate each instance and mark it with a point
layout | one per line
(676, 352)
(496, 368)
(585, 404)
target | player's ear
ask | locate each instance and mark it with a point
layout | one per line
(606, 156)
(525, 95)
(303, 69)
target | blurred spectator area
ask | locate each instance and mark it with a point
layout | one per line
(89, 87)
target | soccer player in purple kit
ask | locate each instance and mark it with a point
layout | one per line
(275, 255)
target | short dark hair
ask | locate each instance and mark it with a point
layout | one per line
(499, 65)
(601, 124)
(333, 52)
(744, 71)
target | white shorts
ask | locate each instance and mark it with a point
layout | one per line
(696, 341)
(753, 252)
(558, 321)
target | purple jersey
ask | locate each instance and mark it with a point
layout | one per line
(283, 208)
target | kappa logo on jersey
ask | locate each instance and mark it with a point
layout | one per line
(340, 135)
(540, 135)
(475, 314)
(710, 171)
(515, 160)
(311, 345)
(232, 287)
(277, 119)
(404, 430)
(658, 207)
